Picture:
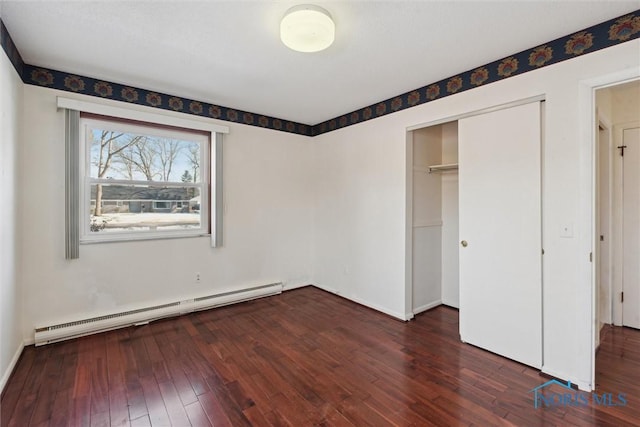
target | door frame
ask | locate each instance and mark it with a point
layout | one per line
(604, 122)
(588, 146)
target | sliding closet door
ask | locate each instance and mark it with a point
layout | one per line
(500, 232)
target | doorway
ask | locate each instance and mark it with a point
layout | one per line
(435, 216)
(617, 197)
(617, 210)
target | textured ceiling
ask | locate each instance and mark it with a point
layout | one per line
(229, 53)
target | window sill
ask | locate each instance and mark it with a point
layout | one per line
(130, 238)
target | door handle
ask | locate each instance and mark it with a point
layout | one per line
(464, 243)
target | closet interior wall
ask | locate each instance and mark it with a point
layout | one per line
(435, 218)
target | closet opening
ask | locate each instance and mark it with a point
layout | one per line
(434, 224)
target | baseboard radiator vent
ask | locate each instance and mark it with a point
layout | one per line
(78, 328)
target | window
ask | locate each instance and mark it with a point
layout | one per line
(198, 198)
(142, 181)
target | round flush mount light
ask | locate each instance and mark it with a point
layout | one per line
(307, 28)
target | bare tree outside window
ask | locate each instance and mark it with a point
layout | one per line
(143, 182)
(142, 157)
(111, 144)
(167, 150)
(194, 158)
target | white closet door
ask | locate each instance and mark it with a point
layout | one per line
(500, 232)
(631, 228)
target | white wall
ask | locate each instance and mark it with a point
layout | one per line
(605, 150)
(604, 104)
(267, 227)
(10, 108)
(360, 207)
(603, 258)
(626, 103)
(360, 215)
(427, 219)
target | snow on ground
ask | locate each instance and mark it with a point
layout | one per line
(139, 221)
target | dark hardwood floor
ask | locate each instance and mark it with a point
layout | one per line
(302, 358)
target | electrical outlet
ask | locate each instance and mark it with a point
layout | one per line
(197, 277)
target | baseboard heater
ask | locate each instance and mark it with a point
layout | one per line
(78, 328)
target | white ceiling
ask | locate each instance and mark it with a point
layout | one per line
(228, 52)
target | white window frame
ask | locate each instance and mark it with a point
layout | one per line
(116, 125)
(211, 196)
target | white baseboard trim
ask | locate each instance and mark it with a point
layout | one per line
(426, 307)
(12, 365)
(450, 304)
(400, 316)
(582, 385)
(291, 286)
(30, 340)
(59, 331)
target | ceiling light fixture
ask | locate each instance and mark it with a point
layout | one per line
(307, 28)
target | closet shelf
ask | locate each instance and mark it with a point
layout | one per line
(442, 168)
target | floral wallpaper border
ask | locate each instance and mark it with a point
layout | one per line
(600, 36)
(10, 49)
(115, 91)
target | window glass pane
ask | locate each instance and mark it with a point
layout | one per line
(134, 156)
(128, 208)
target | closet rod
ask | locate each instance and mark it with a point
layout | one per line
(442, 168)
